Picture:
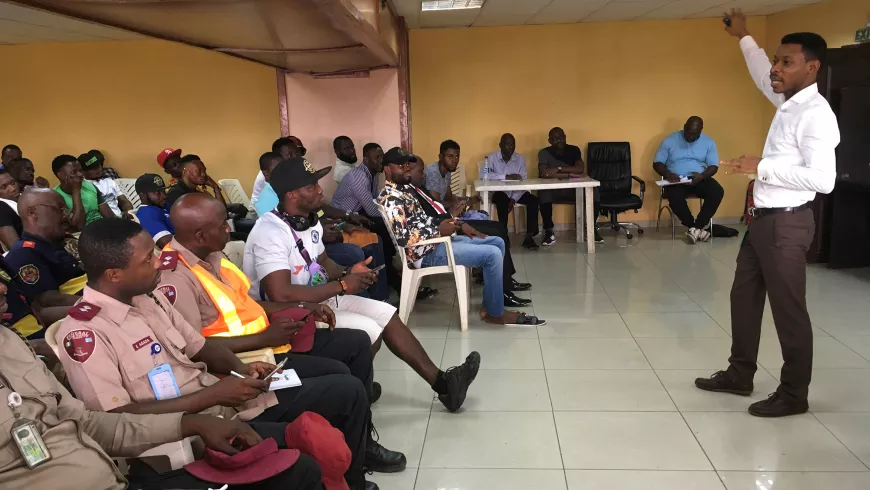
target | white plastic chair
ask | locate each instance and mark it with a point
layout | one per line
(235, 252)
(411, 277)
(459, 186)
(128, 187)
(492, 209)
(232, 189)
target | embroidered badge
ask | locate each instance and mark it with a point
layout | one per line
(142, 343)
(79, 345)
(168, 260)
(308, 166)
(169, 291)
(28, 244)
(29, 274)
(83, 311)
(315, 236)
(5, 276)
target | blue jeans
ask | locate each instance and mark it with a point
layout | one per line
(346, 255)
(487, 253)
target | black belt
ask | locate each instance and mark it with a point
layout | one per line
(761, 212)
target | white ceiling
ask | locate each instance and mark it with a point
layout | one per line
(519, 12)
(22, 25)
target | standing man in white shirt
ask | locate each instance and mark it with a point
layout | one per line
(798, 161)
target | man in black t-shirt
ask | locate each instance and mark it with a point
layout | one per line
(558, 161)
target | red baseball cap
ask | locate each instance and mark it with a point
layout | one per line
(166, 153)
(303, 341)
(312, 434)
(252, 465)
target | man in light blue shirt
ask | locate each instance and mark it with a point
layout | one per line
(690, 154)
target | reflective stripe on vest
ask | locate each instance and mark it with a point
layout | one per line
(238, 313)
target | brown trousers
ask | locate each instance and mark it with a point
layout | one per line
(772, 260)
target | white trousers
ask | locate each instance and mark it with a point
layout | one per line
(361, 313)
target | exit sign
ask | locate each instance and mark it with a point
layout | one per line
(862, 35)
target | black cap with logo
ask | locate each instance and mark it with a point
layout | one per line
(295, 173)
(150, 183)
(396, 155)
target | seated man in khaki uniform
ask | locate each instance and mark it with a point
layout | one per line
(126, 349)
(81, 441)
(201, 278)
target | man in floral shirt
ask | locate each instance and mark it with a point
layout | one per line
(412, 225)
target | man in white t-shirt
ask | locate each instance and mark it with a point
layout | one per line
(286, 261)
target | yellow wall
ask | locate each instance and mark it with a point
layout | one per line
(634, 81)
(835, 20)
(130, 99)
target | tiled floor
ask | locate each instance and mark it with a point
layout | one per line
(601, 398)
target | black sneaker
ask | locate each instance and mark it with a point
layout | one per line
(425, 292)
(459, 378)
(511, 299)
(549, 239)
(376, 393)
(381, 459)
(529, 243)
(520, 286)
(722, 383)
(777, 405)
(598, 238)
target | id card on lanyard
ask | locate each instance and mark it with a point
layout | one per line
(317, 273)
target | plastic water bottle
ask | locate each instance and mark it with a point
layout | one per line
(486, 168)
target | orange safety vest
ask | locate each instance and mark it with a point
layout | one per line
(239, 313)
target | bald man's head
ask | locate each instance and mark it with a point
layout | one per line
(200, 223)
(43, 213)
(692, 129)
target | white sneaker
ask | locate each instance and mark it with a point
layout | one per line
(693, 234)
(704, 235)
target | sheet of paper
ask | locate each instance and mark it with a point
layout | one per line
(665, 183)
(286, 379)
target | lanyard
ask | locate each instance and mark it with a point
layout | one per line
(436, 205)
(299, 244)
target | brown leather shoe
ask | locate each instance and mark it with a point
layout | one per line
(778, 405)
(722, 382)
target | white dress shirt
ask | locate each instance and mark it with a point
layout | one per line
(798, 158)
(259, 183)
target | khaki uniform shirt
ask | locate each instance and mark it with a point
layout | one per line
(127, 342)
(78, 439)
(184, 290)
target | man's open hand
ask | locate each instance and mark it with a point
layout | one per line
(471, 232)
(745, 164)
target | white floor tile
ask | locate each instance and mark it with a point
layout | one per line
(402, 431)
(686, 353)
(628, 440)
(643, 480)
(644, 301)
(852, 429)
(495, 353)
(603, 325)
(403, 391)
(680, 384)
(827, 353)
(509, 390)
(616, 390)
(735, 480)
(592, 354)
(838, 390)
(858, 343)
(684, 324)
(491, 440)
(741, 442)
(395, 481)
(478, 329)
(571, 306)
(504, 479)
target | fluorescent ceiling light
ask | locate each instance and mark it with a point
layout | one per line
(452, 4)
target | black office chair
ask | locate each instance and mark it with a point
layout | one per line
(610, 164)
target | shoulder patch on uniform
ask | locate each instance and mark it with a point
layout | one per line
(83, 311)
(169, 291)
(29, 244)
(168, 260)
(79, 344)
(29, 274)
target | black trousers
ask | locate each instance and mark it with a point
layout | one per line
(772, 263)
(303, 475)
(502, 202)
(339, 398)
(496, 228)
(708, 189)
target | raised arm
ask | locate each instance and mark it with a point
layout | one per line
(756, 59)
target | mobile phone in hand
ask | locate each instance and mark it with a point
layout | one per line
(727, 21)
(378, 268)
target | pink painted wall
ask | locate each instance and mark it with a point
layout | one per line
(365, 109)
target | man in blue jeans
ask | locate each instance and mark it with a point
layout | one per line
(411, 224)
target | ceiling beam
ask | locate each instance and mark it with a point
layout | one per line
(346, 18)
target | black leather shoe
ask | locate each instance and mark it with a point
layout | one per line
(721, 382)
(777, 405)
(511, 299)
(376, 392)
(381, 459)
(370, 485)
(364, 485)
(530, 244)
(458, 379)
(520, 286)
